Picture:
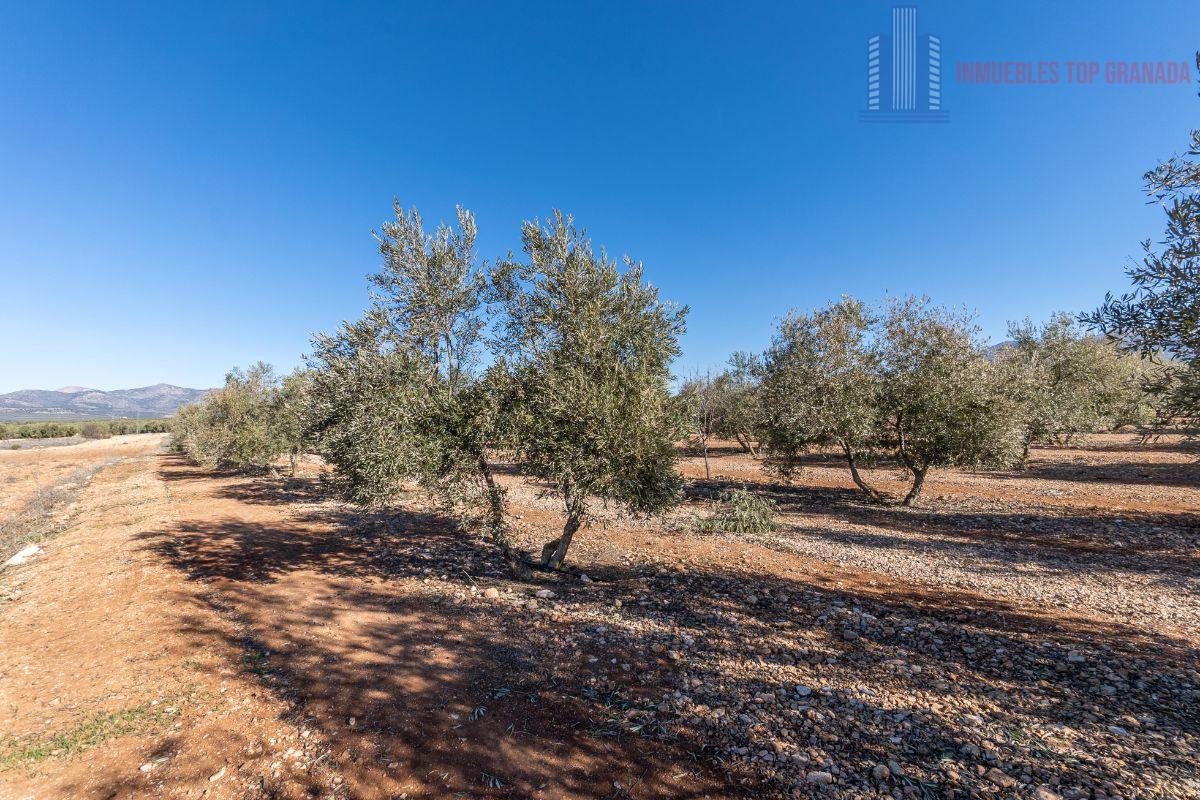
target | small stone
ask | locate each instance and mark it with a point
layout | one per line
(1075, 657)
(803, 691)
(543, 594)
(1044, 792)
(149, 765)
(491, 592)
(583, 578)
(819, 777)
(216, 776)
(880, 772)
(1001, 779)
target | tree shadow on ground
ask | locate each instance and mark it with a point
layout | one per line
(1131, 472)
(1160, 545)
(375, 630)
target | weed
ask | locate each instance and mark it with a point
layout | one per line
(89, 733)
(739, 511)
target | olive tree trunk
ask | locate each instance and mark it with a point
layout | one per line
(555, 552)
(1028, 440)
(747, 444)
(914, 494)
(867, 490)
(496, 525)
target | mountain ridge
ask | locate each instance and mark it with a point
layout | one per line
(78, 402)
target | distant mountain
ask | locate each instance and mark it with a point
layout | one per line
(994, 352)
(78, 402)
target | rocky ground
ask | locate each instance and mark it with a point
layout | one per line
(1022, 635)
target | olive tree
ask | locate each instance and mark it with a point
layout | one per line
(737, 409)
(289, 415)
(702, 398)
(940, 399)
(399, 395)
(723, 406)
(235, 426)
(821, 386)
(586, 350)
(1160, 317)
(1065, 382)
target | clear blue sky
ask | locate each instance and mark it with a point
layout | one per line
(188, 188)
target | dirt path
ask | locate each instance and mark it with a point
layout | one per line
(114, 680)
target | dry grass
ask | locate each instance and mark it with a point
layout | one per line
(40, 517)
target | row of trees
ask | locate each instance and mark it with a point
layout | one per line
(249, 423)
(911, 384)
(557, 362)
(92, 429)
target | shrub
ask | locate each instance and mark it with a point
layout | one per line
(94, 430)
(740, 511)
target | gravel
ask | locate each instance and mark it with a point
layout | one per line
(1122, 584)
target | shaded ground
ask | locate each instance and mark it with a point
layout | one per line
(304, 649)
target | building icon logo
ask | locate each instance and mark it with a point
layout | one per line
(904, 74)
